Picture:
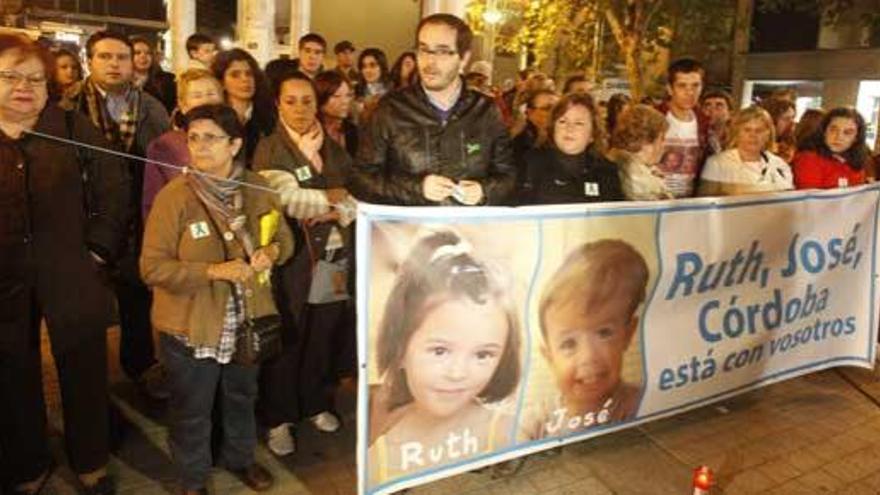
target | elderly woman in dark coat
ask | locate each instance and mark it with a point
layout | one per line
(310, 171)
(56, 232)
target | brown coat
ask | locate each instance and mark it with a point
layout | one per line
(174, 263)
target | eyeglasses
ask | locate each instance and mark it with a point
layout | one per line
(14, 78)
(209, 139)
(441, 53)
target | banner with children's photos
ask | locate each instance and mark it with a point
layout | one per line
(487, 334)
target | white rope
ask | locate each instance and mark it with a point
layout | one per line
(182, 169)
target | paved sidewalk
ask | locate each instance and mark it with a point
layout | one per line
(814, 434)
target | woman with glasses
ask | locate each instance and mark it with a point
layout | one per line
(310, 171)
(571, 169)
(57, 232)
(209, 241)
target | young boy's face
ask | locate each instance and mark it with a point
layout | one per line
(584, 347)
(449, 360)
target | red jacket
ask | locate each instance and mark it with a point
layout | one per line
(814, 171)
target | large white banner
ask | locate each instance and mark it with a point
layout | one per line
(489, 333)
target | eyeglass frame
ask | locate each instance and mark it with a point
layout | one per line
(14, 78)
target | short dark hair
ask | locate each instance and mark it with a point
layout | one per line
(684, 66)
(196, 40)
(327, 84)
(293, 76)
(343, 46)
(222, 115)
(571, 81)
(858, 155)
(106, 35)
(718, 94)
(463, 34)
(311, 38)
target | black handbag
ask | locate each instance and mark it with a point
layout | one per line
(257, 339)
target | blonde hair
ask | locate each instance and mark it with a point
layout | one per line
(593, 274)
(191, 75)
(637, 126)
(746, 115)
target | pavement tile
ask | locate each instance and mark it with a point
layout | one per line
(752, 481)
(858, 489)
(591, 486)
(780, 470)
(792, 487)
(820, 481)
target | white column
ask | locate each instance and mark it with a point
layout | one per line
(182, 19)
(300, 21)
(256, 34)
(454, 7)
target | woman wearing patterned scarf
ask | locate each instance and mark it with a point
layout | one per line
(209, 236)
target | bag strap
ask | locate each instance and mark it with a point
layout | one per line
(240, 307)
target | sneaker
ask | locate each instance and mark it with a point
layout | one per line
(280, 441)
(326, 422)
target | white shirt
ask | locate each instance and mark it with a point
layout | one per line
(680, 162)
(770, 173)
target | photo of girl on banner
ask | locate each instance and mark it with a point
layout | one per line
(588, 315)
(448, 357)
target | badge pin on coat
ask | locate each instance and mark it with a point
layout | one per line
(473, 148)
(303, 174)
(199, 230)
(591, 189)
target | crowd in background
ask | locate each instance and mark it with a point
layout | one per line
(181, 260)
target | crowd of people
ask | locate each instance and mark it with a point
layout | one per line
(228, 202)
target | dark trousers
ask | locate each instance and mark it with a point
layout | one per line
(194, 384)
(136, 351)
(82, 376)
(302, 381)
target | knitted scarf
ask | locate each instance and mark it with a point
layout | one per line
(121, 131)
(225, 201)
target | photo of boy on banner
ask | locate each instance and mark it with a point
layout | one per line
(448, 353)
(588, 314)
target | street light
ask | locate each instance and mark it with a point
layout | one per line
(492, 16)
